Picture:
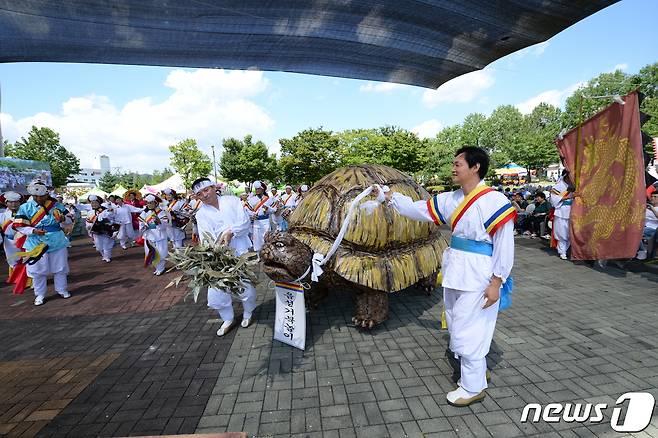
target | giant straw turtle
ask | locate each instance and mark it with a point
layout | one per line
(382, 252)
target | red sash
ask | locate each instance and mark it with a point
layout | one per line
(466, 203)
(260, 204)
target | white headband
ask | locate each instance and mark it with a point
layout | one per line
(92, 198)
(304, 188)
(258, 185)
(202, 185)
(149, 198)
(289, 187)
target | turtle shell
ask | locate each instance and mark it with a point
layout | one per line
(381, 250)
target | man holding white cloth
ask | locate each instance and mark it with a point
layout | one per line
(224, 220)
(475, 266)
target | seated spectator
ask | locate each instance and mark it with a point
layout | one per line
(538, 215)
(520, 205)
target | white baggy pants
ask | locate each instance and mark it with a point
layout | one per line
(259, 229)
(222, 302)
(126, 234)
(561, 234)
(104, 245)
(163, 250)
(54, 263)
(176, 235)
(471, 331)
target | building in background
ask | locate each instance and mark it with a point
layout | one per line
(89, 177)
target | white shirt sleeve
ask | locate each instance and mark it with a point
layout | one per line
(503, 250)
(25, 230)
(243, 223)
(416, 210)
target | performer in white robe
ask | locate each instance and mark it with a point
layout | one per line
(275, 217)
(474, 267)
(175, 205)
(561, 199)
(39, 219)
(153, 223)
(13, 200)
(287, 203)
(224, 219)
(123, 216)
(101, 220)
(260, 207)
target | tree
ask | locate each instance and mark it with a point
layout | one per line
(160, 175)
(308, 156)
(388, 145)
(503, 135)
(42, 144)
(108, 182)
(246, 161)
(536, 149)
(647, 81)
(584, 103)
(440, 153)
(473, 130)
(189, 161)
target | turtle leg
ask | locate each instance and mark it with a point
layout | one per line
(371, 308)
(428, 284)
(315, 295)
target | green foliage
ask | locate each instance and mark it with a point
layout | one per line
(647, 81)
(439, 155)
(308, 156)
(108, 182)
(42, 144)
(389, 145)
(189, 161)
(246, 161)
(159, 176)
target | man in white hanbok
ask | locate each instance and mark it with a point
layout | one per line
(223, 219)
(175, 206)
(561, 199)
(288, 203)
(474, 267)
(275, 217)
(153, 224)
(260, 207)
(123, 216)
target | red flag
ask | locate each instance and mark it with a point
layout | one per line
(604, 157)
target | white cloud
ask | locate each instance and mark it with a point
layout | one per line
(206, 105)
(381, 87)
(622, 67)
(427, 129)
(552, 97)
(465, 88)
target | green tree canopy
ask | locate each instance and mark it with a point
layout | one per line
(246, 161)
(108, 182)
(189, 161)
(308, 156)
(439, 155)
(42, 144)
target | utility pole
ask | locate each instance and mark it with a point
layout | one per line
(214, 163)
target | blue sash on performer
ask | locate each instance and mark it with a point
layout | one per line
(263, 216)
(51, 228)
(485, 248)
(567, 202)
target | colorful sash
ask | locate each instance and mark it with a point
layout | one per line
(288, 198)
(42, 211)
(150, 218)
(6, 224)
(260, 204)
(152, 257)
(433, 208)
(499, 218)
(466, 203)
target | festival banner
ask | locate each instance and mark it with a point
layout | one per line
(16, 174)
(290, 319)
(604, 158)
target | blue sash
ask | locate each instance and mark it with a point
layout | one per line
(262, 217)
(567, 202)
(51, 228)
(485, 248)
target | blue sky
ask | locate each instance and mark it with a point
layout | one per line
(132, 113)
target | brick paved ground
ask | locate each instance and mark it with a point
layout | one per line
(130, 359)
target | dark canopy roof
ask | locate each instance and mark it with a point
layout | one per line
(418, 42)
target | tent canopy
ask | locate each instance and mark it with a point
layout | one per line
(511, 169)
(119, 191)
(423, 43)
(96, 191)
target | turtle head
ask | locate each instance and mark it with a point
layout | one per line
(284, 257)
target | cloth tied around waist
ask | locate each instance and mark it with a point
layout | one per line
(485, 248)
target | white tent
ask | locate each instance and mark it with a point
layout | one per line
(173, 182)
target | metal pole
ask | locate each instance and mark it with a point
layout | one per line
(214, 163)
